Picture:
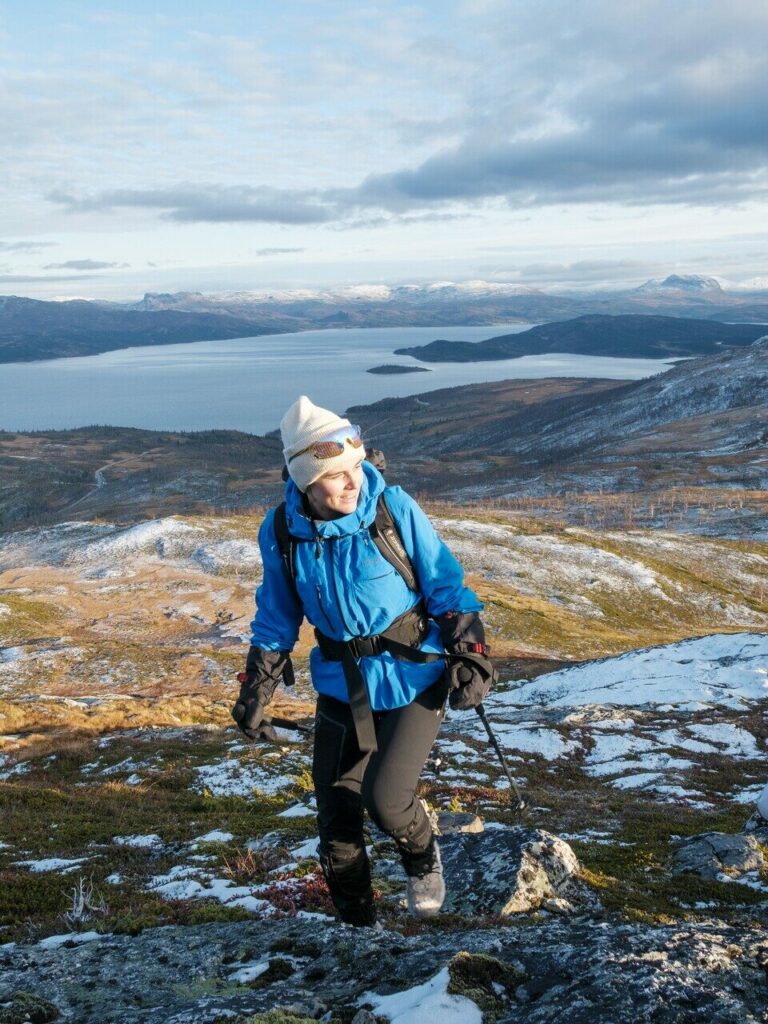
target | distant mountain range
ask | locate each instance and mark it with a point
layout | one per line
(31, 329)
(634, 336)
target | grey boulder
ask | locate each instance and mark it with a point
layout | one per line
(511, 869)
(714, 853)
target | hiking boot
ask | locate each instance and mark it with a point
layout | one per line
(348, 876)
(426, 886)
(360, 914)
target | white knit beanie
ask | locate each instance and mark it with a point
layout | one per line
(303, 424)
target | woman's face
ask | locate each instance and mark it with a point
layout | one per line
(336, 493)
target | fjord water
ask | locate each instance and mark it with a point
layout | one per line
(247, 383)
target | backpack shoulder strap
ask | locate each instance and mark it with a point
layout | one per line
(386, 537)
(286, 544)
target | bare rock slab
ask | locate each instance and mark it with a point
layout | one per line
(712, 853)
(511, 869)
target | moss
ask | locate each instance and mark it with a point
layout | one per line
(279, 969)
(29, 619)
(297, 947)
(28, 1008)
(478, 976)
(26, 897)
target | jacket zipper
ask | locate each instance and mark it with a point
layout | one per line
(319, 592)
(336, 594)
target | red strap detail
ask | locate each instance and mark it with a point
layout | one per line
(243, 677)
(479, 649)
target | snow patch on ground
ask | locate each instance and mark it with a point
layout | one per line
(106, 550)
(148, 842)
(231, 777)
(190, 883)
(719, 670)
(307, 850)
(70, 939)
(737, 742)
(427, 1002)
(544, 563)
(63, 865)
(21, 768)
(299, 810)
(217, 836)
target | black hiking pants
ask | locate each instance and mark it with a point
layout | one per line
(383, 782)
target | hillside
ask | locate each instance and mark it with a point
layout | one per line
(126, 474)
(631, 708)
(704, 422)
(636, 337)
(687, 449)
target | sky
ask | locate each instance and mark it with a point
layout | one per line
(267, 145)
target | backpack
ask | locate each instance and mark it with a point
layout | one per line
(384, 534)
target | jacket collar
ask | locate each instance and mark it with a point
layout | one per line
(300, 525)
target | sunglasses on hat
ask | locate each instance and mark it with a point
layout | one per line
(333, 444)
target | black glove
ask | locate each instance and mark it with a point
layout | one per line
(470, 672)
(471, 677)
(460, 631)
(263, 670)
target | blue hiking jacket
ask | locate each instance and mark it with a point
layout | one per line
(346, 588)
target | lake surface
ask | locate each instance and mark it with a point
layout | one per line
(247, 383)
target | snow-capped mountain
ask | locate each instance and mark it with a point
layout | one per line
(685, 283)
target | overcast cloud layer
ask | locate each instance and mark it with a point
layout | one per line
(232, 137)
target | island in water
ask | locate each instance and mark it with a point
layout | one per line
(398, 368)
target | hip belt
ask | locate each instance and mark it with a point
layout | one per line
(401, 639)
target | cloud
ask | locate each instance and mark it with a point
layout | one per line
(212, 204)
(25, 246)
(521, 105)
(84, 265)
(39, 279)
(276, 251)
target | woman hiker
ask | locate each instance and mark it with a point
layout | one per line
(379, 666)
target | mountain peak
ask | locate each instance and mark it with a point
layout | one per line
(682, 283)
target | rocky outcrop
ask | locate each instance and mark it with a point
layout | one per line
(713, 854)
(509, 870)
(583, 971)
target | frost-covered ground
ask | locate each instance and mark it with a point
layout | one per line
(165, 605)
(103, 550)
(662, 720)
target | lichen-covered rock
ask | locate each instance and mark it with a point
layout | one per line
(580, 970)
(713, 853)
(508, 870)
(448, 822)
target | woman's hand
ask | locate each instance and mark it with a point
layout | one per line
(470, 672)
(263, 671)
(470, 679)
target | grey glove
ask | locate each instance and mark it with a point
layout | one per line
(263, 670)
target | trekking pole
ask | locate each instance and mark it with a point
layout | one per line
(287, 723)
(521, 804)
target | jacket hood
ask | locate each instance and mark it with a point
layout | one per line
(300, 525)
